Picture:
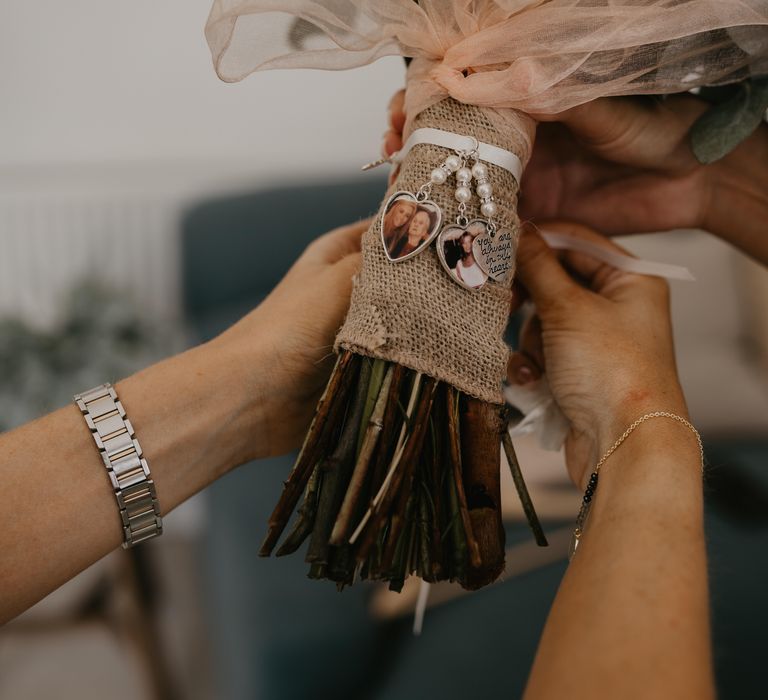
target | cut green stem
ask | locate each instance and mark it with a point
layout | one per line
(385, 495)
(367, 446)
(522, 490)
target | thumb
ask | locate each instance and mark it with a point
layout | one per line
(345, 270)
(541, 272)
(604, 123)
(634, 130)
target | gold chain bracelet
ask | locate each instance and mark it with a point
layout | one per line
(592, 484)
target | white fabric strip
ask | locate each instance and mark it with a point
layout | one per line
(562, 241)
(421, 608)
(456, 142)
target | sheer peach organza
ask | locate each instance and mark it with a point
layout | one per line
(537, 56)
(499, 62)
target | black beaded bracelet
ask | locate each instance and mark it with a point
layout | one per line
(586, 502)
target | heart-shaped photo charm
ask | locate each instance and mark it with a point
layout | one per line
(495, 254)
(408, 225)
(456, 250)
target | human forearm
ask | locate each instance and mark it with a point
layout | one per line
(190, 414)
(631, 617)
(737, 201)
(247, 394)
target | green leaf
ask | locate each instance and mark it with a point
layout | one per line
(725, 125)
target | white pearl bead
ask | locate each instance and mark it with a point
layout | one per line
(479, 171)
(438, 176)
(463, 174)
(488, 209)
(463, 194)
(484, 190)
(453, 163)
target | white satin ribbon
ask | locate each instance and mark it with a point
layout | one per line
(456, 142)
(421, 608)
(541, 415)
(621, 261)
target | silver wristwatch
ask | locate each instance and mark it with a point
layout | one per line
(127, 469)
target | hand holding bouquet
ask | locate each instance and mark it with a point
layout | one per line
(400, 469)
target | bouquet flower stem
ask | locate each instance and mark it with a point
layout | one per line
(400, 476)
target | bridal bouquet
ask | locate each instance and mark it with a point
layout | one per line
(399, 473)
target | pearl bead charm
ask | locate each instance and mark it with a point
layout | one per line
(464, 175)
(484, 190)
(438, 176)
(479, 171)
(453, 163)
(463, 194)
(488, 209)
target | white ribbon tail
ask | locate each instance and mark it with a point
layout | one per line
(621, 261)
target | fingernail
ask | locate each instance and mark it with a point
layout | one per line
(524, 374)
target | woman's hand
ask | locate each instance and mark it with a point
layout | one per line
(621, 165)
(624, 165)
(248, 393)
(605, 343)
(285, 345)
(632, 607)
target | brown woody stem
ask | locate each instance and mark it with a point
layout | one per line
(522, 490)
(328, 409)
(457, 546)
(389, 431)
(481, 464)
(337, 469)
(407, 468)
(455, 455)
(433, 493)
(303, 525)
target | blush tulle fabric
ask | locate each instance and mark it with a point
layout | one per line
(485, 68)
(537, 56)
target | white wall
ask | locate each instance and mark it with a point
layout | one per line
(112, 120)
(102, 81)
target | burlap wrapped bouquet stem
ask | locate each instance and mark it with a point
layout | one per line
(400, 469)
(412, 312)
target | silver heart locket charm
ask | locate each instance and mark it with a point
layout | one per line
(408, 225)
(455, 248)
(494, 253)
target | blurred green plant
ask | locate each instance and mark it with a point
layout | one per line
(102, 336)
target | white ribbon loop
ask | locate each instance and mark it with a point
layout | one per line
(458, 142)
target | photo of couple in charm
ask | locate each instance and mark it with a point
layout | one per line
(456, 252)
